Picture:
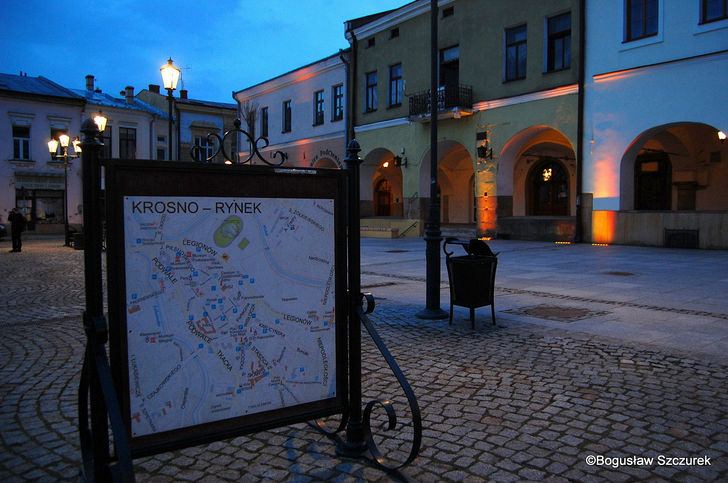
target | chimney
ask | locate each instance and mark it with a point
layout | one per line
(90, 83)
(154, 88)
(129, 94)
(183, 94)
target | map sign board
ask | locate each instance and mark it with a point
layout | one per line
(225, 288)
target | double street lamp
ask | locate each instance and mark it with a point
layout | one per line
(170, 77)
(64, 140)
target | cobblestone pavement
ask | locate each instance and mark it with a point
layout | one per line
(505, 403)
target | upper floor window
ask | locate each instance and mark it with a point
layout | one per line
(371, 92)
(448, 12)
(641, 21)
(264, 122)
(713, 10)
(337, 106)
(286, 116)
(450, 66)
(395, 85)
(21, 142)
(515, 67)
(106, 152)
(394, 33)
(203, 148)
(127, 143)
(161, 147)
(558, 56)
(371, 42)
(318, 108)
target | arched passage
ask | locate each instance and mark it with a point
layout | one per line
(455, 176)
(675, 167)
(325, 163)
(381, 185)
(537, 185)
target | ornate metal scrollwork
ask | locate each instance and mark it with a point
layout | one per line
(380, 458)
(219, 141)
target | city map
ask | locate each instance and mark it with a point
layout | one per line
(229, 307)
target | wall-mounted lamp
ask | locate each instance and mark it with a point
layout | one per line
(484, 150)
(721, 136)
(400, 160)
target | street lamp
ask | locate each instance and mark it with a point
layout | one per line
(53, 144)
(170, 76)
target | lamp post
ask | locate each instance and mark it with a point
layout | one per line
(433, 235)
(63, 140)
(170, 76)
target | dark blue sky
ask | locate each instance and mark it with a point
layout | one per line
(221, 45)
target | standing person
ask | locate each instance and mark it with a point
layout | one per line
(17, 225)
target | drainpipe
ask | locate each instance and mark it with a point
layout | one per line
(579, 233)
(351, 84)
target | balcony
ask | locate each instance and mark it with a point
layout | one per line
(453, 102)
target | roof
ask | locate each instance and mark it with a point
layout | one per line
(199, 102)
(105, 100)
(39, 86)
(291, 71)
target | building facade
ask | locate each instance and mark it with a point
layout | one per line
(655, 168)
(194, 119)
(32, 111)
(507, 103)
(301, 113)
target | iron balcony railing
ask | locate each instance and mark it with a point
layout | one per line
(448, 97)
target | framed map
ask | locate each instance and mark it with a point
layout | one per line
(226, 299)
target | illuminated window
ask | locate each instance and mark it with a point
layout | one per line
(713, 10)
(548, 187)
(395, 85)
(641, 19)
(515, 53)
(559, 43)
(371, 92)
(21, 142)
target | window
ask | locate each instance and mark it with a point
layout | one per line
(371, 92)
(161, 147)
(56, 134)
(371, 41)
(106, 139)
(286, 116)
(127, 143)
(394, 33)
(203, 148)
(395, 85)
(558, 56)
(264, 122)
(448, 12)
(641, 19)
(515, 53)
(450, 66)
(318, 108)
(21, 142)
(713, 10)
(548, 183)
(337, 94)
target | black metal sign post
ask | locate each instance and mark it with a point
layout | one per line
(104, 387)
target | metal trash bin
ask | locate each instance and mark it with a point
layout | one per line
(471, 277)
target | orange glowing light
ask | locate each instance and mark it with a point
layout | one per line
(604, 227)
(485, 238)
